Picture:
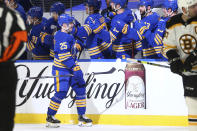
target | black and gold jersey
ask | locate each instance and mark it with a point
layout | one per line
(181, 36)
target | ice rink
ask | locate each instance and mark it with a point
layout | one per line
(41, 127)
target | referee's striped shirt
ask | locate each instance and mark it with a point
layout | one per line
(13, 34)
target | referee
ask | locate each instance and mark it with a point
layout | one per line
(12, 45)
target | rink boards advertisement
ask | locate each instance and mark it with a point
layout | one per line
(117, 93)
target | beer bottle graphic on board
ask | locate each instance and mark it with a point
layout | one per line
(135, 86)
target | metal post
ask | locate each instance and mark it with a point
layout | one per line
(43, 6)
(71, 7)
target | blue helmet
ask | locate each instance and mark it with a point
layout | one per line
(35, 12)
(146, 3)
(64, 19)
(122, 3)
(94, 3)
(171, 4)
(58, 7)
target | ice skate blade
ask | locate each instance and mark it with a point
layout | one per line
(82, 124)
(52, 125)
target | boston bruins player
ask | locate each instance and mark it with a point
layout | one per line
(180, 46)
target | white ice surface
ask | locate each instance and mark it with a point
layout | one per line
(41, 127)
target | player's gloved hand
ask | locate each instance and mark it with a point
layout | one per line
(190, 61)
(78, 76)
(176, 65)
(161, 24)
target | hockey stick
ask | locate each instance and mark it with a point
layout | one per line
(154, 64)
(44, 77)
(68, 75)
(145, 62)
(106, 72)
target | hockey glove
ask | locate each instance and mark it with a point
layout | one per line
(161, 25)
(176, 65)
(190, 61)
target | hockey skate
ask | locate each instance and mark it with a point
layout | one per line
(84, 121)
(52, 122)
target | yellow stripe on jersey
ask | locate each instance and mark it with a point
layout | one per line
(139, 35)
(192, 123)
(194, 22)
(99, 28)
(58, 63)
(122, 48)
(99, 49)
(143, 29)
(88, 29)
(43, 36)
(76, 68)
(78, 46)
(52, 54)
(63, 54)
(113, 37)
(125, 29)
(34, 39)
(158, 39)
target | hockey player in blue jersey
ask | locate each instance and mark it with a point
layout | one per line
(56, 10)
(65, 63)
(52, 25)
(34, 45)
(14, 5)
(149, 21)
(170, 8)
(123, 36)
(95, 33)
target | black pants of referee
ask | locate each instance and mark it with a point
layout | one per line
(8, 82)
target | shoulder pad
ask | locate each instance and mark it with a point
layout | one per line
(173, 21)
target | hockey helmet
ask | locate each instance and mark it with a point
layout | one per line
(122, 3)
(171, 4)
(94, 3)
(58, 7)
(36, 12)
(65, 19)
(146, 3)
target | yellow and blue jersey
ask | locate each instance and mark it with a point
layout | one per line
(34, 44)
(123, 35)
(51, 26)
(155, 39)
(95, 33)
(64, 50)
(148, 30)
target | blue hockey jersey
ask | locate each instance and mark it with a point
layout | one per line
(65, 51)
(155, 39)
(148, 23)
(34, 44)
(123, 36)
(97, 38)
(52, 26)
